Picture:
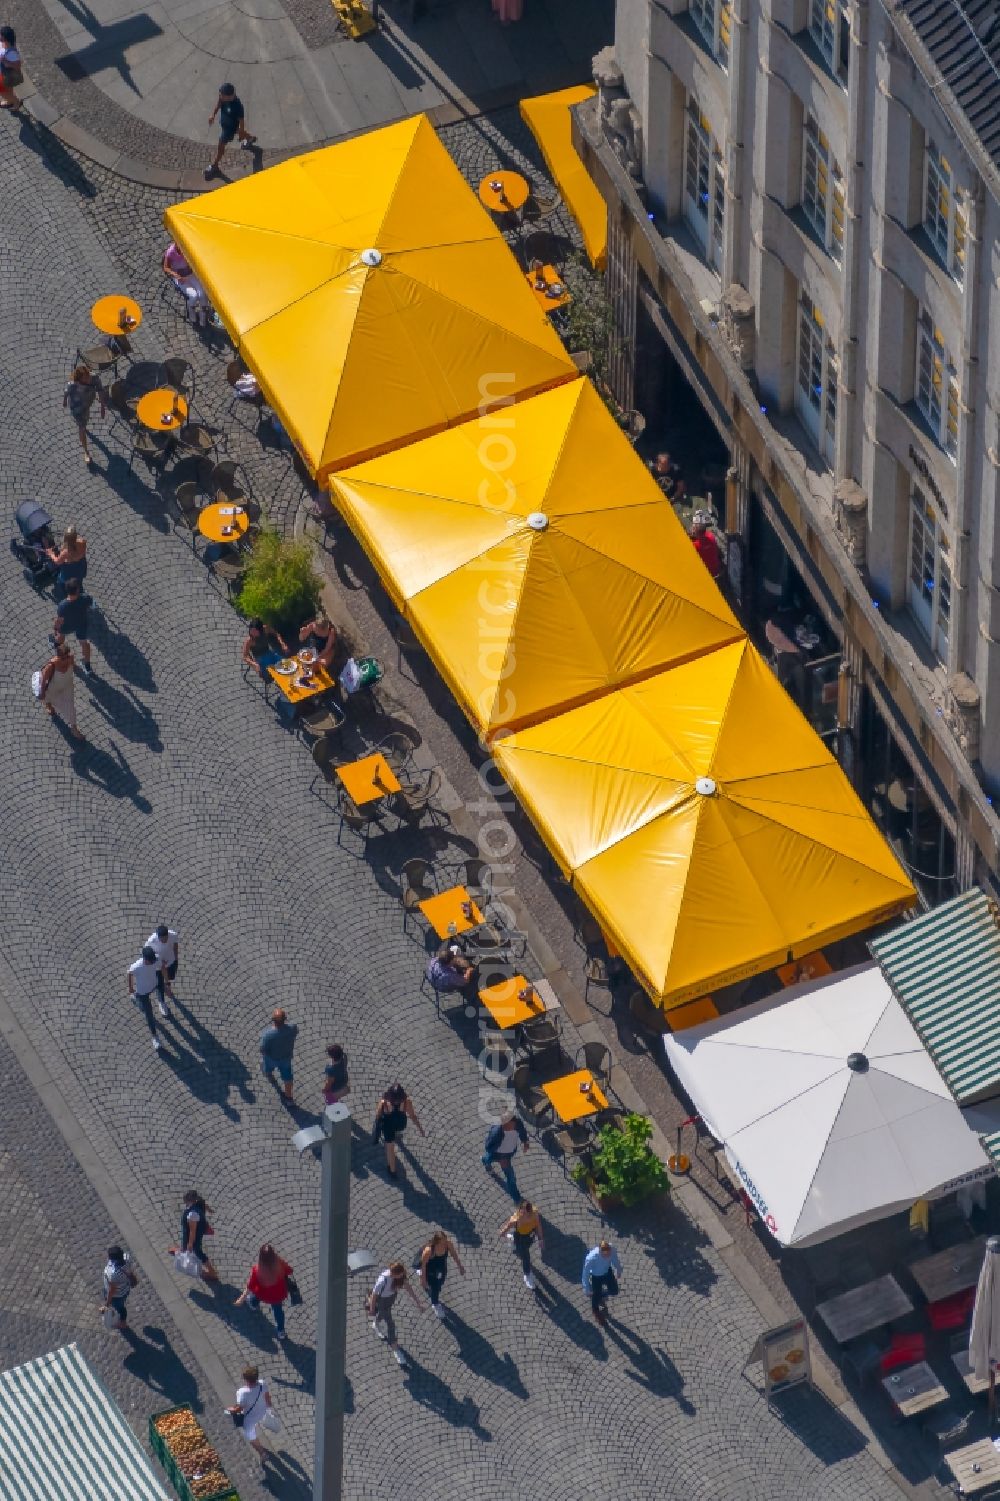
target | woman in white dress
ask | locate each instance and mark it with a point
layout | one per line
(57, 689)
(253, 1400)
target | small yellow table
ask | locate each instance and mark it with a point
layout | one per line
(569, 1101)
(163, 402)
(550, 277)
(293, 688)
(810, 967)
(106, 315)
(510, 194)
(691, 1014)
(503, 1002)
(359, 779)
(446, 909)
(213, 520)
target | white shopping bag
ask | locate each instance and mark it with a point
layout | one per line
(188, 1263)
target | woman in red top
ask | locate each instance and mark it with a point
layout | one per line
(268, 1283)
(707, 548)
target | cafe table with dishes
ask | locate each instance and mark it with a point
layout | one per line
(504, 192)
(301, 677)
(576, 1096)
(452, 913)
(163, 410)
(549, 288)
(222, 522)
(116, 315)
(513, 1001)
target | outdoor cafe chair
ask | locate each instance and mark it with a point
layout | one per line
(477, 878)
(596, 972)
(406, 640)
(645, 1017)
(153, 447)
(326, 766)
(185, 501)
(597, 1057)
(230, 567)
(194, 437)
(540, 1037)
(397, 749)
(414, 800)
(416, 884)
(532, 1103)
(178, 374)
(229, 480)
(358, 820)
(122, 414)
(326, 720)
(571, 1140)
(98, 358)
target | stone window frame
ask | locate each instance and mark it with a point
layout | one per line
(710, 203)
(928, 551)
(945, 219)
(713, 20)
(827, 23)
(935, 388)
(822, 194)
(816, 358)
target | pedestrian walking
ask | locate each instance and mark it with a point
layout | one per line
(56, 688)
(394, 1110)
(79, 396)
(601, 1270)
(74, 610)
(142, 981)
(434, 1267)
(11, 71)
(388, 1285)
(163, 942)
(335, 1081)
(502, 1142)
(119, 1280)
(70, 559)
(232, 122)
(194, 1228)
(252, 1410)
(522, 1229)
(277, 1043)
(271, 1282)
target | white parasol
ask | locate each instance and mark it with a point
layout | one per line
(984, 1336)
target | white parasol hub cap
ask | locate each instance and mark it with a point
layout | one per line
(538, 521)
(705, 787)
(371, 257)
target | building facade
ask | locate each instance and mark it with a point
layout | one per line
(804, 220)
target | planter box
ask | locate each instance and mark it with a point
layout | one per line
(161, 1448)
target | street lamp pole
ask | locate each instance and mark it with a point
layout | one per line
(333, 1140)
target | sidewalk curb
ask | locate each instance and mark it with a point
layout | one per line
(685, 1193)
(191, 180)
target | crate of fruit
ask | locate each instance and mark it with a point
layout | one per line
(192, 1464)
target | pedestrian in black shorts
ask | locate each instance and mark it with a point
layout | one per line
(164, 944)
(194, 1228)
(229, 108)
(74, 610)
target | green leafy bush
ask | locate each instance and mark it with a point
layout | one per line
(624, 1166)
(280, 584)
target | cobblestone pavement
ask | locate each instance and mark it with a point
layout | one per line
(189, 803)
(142, 80)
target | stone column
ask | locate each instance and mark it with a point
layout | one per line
(850, 517)
(850, 400)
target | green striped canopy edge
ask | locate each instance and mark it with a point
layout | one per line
(63, 1436)
(944, 969)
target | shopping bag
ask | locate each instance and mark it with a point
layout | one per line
(270, 1421)
(110, 1319)
(188, 1263)
(36, 684)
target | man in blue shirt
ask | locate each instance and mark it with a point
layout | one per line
(599, 1277)
(72, 619)
(277, 1043)
(229, 108)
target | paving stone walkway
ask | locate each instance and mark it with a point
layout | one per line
(189, 803)
(142, 80)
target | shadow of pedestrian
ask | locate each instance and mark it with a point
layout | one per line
(302, 1359)
(108, 770)
(286, 1478)
(123, 712)
(53, 155)
(567, 1316)
(430, 1204)
(136, 493)
(207, 1068)
(251, 1324)
(120, 652)
(653, 1369)
(153, 1362)
(475, 1351)
(431, 1391)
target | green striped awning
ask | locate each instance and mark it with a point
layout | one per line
(944, 969)
(63, 1438)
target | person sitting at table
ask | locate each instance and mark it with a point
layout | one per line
(263, 647)
(450, 971)
(706, 546)
(320, 634)
(665, 472)
(175, 266)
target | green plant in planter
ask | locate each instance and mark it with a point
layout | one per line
(280, 584)
(624, 1166)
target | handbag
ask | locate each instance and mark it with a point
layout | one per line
(270, 1421)
(294, 1296)
(110, 1319)
(188, 1263)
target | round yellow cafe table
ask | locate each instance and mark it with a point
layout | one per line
(107, 312)
(163, 402)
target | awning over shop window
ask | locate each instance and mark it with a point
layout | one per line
(944, 968)
(62, 1436)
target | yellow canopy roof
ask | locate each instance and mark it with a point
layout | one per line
(369, 292)
(705, 824)
(547, 117)
(535, 557)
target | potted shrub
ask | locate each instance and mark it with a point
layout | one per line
(280, 584)
(623, 1168)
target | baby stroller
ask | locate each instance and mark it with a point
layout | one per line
(35, 525)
